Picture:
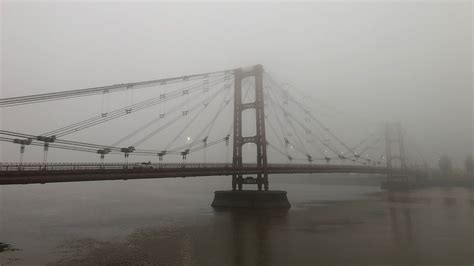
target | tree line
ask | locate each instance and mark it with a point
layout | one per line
(446, 166)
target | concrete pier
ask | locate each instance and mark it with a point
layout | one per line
(251, 199)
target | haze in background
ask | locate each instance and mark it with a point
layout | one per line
(371, 61)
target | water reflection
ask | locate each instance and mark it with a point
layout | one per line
(231, 238)
(401, 225)
(142, 247)
(253, 242)
(432, 226)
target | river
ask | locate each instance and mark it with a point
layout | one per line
(334, 220)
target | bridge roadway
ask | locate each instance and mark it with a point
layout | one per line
(11, 173)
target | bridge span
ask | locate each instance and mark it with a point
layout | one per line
(184, 116)
(72, 172)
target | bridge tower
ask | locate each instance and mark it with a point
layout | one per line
(395, 154)
(259, 139)
(238, 198)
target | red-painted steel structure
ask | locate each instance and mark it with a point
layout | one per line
(26, 173)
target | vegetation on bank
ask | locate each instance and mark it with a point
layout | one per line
(447, 171)
(448, 175)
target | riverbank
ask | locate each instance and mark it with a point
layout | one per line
(5, 247)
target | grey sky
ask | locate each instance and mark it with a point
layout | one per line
(407, 61)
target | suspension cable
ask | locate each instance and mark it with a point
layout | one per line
(192, 120)
(324, 127)
(114, 113)
(171, 122)
(153, 121)
(118, 113)
(20, 100)
(303, 126)
(207, 128)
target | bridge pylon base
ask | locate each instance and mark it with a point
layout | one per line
(252, 199)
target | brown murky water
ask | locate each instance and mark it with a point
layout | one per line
(169, 222)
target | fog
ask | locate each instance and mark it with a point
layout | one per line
(368, 62)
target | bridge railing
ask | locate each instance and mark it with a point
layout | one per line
(7, 167)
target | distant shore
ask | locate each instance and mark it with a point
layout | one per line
(451, 182)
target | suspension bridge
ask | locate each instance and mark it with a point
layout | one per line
(240, 122)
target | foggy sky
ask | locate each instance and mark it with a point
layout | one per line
(373, 61)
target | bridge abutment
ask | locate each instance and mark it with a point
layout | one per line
(252, 199)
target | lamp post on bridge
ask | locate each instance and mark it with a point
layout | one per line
(22, 142)
(102, 153)
(184, 155)
(160, 158)
(127, 152)
(46, 141)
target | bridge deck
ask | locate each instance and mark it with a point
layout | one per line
(73, 172)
